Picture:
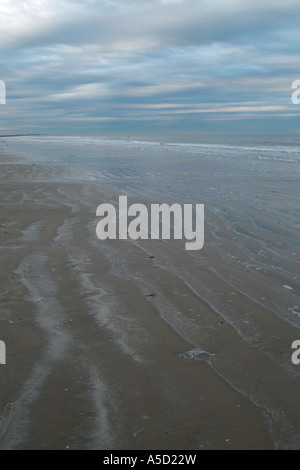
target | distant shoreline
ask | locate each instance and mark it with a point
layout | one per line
(18, 135)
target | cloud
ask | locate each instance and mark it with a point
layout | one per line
(99, 60)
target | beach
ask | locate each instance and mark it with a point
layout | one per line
(117, 344)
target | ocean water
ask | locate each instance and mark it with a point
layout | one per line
(214, 168)
(237, 300)
(249, 185)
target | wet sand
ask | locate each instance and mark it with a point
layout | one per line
(110, 345)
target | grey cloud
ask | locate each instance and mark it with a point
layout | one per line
(102, 58)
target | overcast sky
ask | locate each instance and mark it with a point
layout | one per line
(138, 66)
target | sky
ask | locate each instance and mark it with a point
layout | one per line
(149, 66)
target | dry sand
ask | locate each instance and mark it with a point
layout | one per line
(101, 336)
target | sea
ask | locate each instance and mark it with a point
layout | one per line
(246, 276)
(249, 184)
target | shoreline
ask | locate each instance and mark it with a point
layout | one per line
(121, 345)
